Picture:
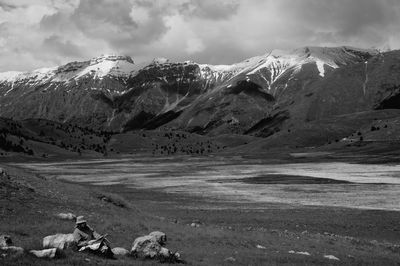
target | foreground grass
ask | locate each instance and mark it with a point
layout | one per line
(227, 230)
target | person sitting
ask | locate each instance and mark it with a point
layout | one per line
(88, 239)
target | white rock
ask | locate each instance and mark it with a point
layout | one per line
(299, 252)
(149, 247)
(120, 251)
(260, 247)
(331, 257)
(45, 253)
(145, 247)
(11, 250)
(230, 259)
(66, 216)
(61, 241)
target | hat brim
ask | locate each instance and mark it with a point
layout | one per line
(81, 222)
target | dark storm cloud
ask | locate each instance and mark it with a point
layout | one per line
(36, 33)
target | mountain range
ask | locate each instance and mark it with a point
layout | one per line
(266, 96)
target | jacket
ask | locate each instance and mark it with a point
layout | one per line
(83, 235)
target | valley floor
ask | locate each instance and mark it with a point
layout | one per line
(228, 233)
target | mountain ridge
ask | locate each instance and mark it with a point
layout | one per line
(111, 92)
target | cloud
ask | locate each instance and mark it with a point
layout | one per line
(56, 44)
(39, 33)
(210, 9)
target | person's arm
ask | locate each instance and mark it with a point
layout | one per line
(78, 239)
(96, 235)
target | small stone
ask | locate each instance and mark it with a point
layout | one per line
(261, 247)
(331, 257)
(66, 216)
(45, 253)
(230, 259)
(120, 251)
(305, 253)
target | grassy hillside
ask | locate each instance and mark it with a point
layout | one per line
(228, 233)
(44, 138)
(328, 131)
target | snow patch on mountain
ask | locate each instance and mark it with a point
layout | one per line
(108, 65)
(9, 76)
(97, 68)
(35, 77)
(270, 66)
(278, 62)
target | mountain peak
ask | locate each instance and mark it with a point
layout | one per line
(160, 60)
(111, 57)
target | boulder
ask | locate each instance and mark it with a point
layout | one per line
(60, 241)
(5, 241)
(160, 237)
(147, 247)
(66, 216)
(45, 253)
(120, 251)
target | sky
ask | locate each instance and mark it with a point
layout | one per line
(46, 33)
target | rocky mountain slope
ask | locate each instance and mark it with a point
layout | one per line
(259, 96)
(285, 94)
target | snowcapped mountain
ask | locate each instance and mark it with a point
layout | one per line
(99, 67)
(112, 92)
(278, 61)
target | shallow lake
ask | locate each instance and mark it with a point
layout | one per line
(368, 186)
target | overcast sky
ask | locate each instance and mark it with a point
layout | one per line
(43, 33)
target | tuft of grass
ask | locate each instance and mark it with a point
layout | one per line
(113, 199)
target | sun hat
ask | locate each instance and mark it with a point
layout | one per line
(80, 220)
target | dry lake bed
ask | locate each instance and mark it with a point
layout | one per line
(236, 179)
